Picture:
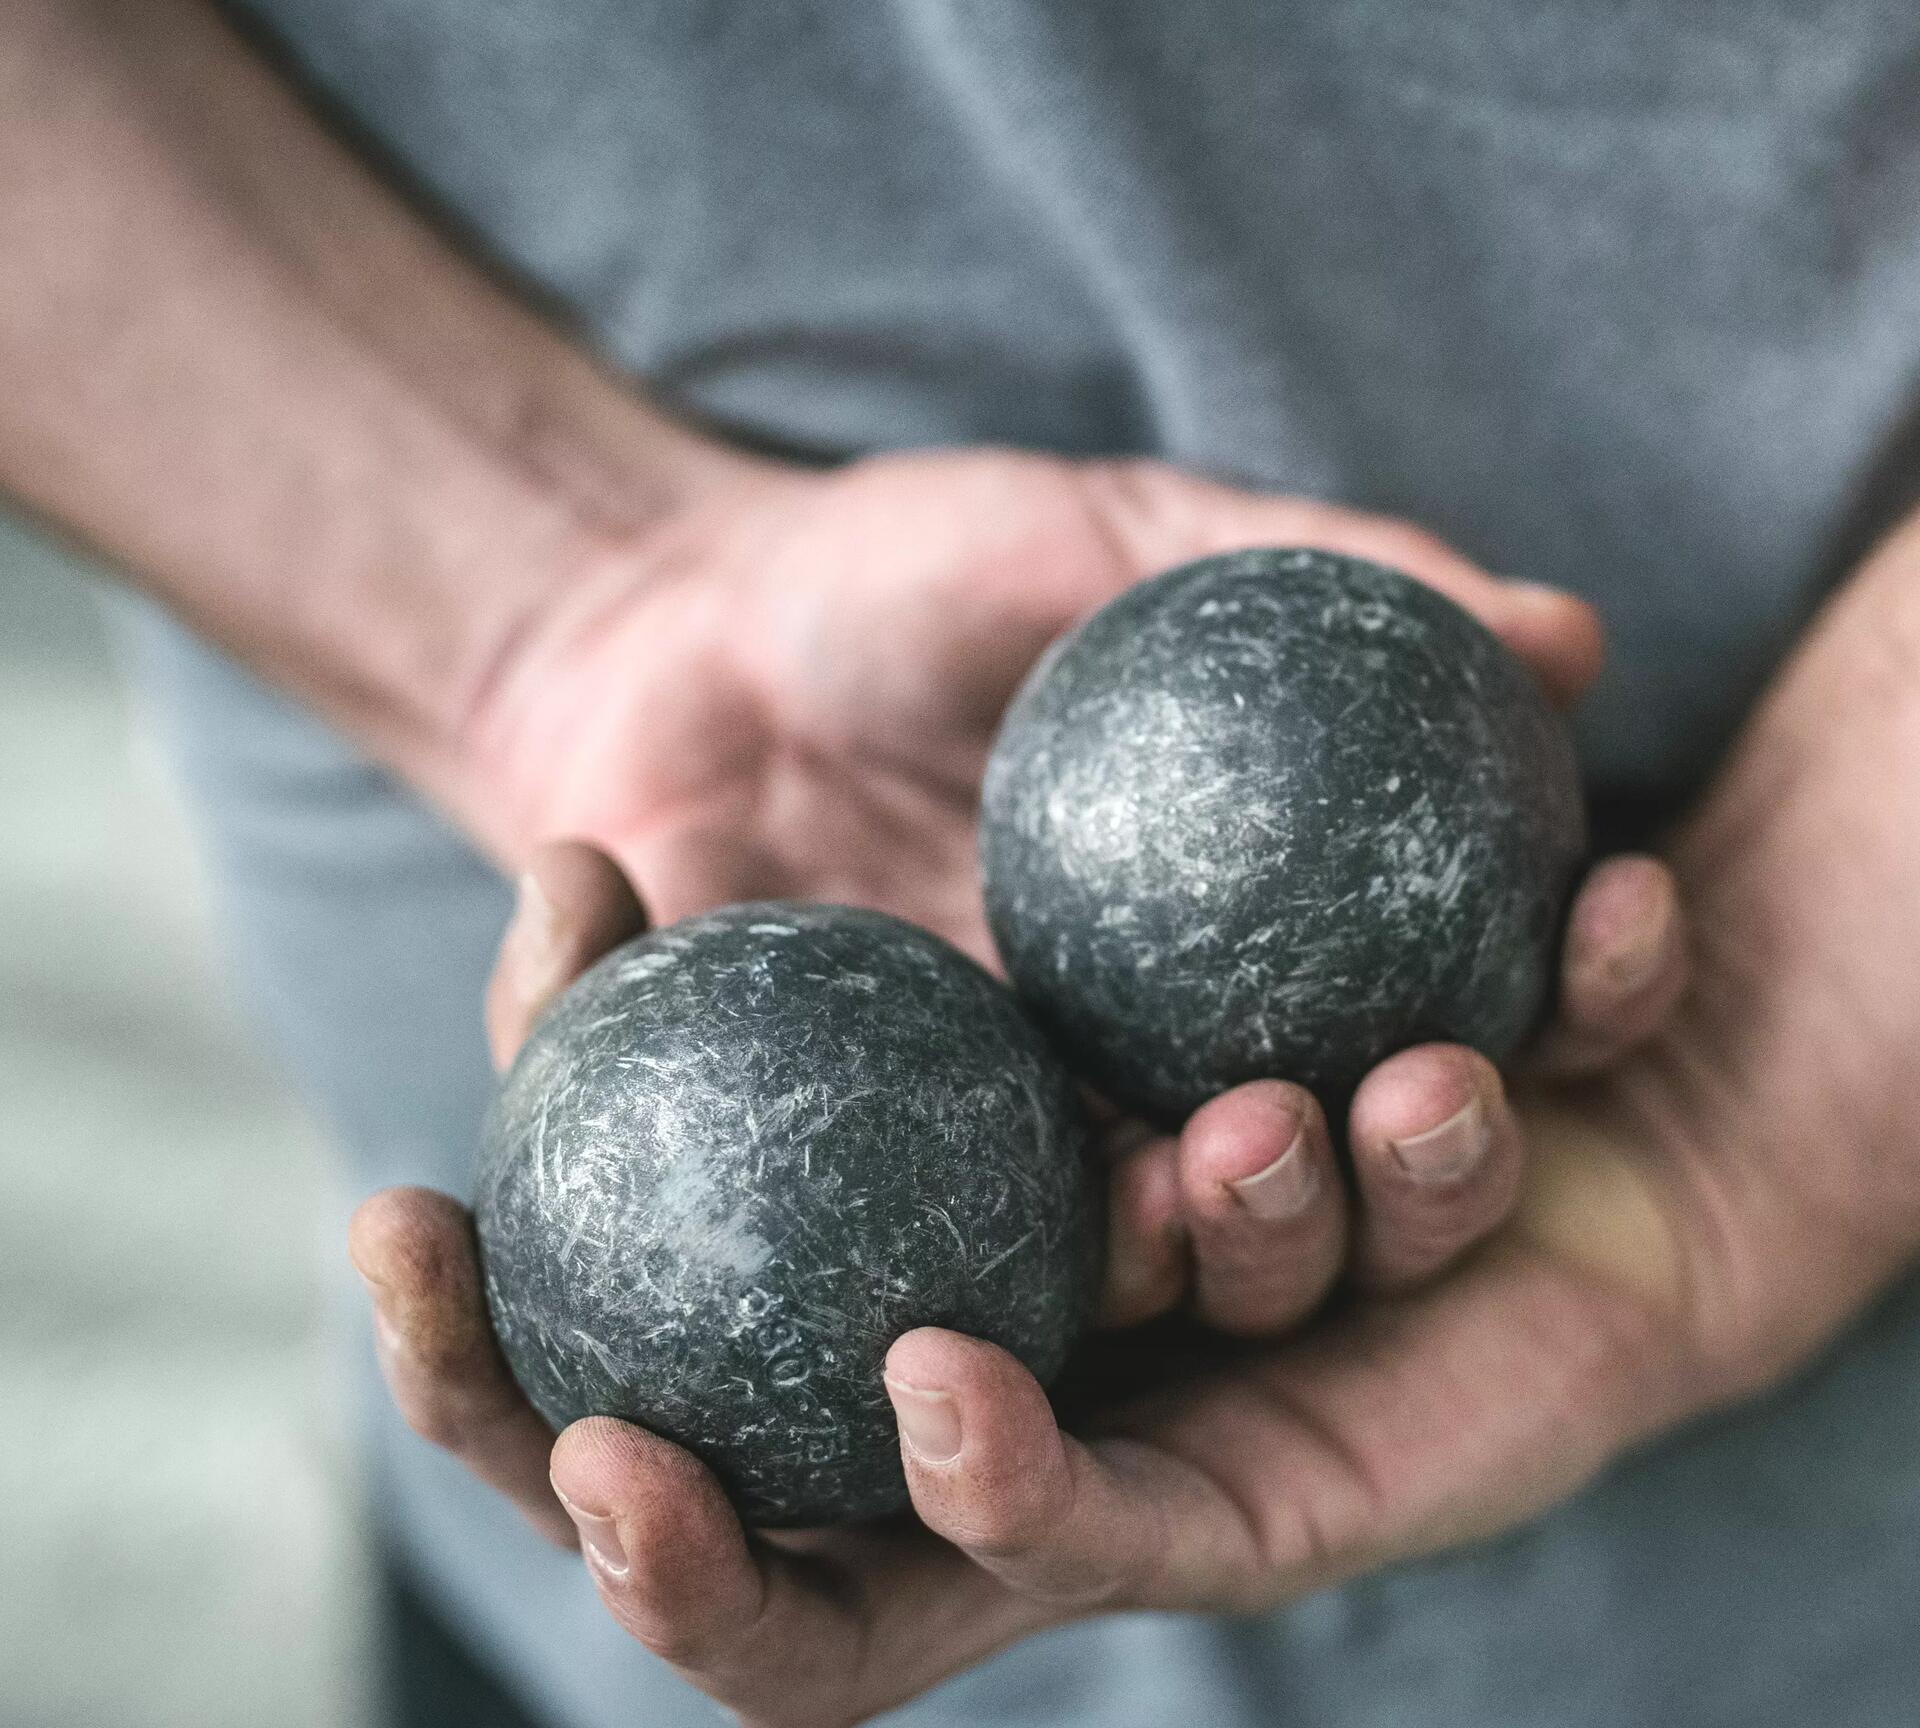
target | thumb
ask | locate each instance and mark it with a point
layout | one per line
(574, 904)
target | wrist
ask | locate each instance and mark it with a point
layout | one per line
(613, 618)
(325, 440)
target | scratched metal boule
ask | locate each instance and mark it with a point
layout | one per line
(745, 1153)
(1278, 814)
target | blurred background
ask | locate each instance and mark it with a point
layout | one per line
(178, 1540)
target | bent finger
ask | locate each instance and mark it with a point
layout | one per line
(1623, 966)
(1437, 1161)
(1166, 516)
(828, 1629)
(1264, 1207)
(574, 904)
(415, 1250)
(1146, 1264)
(1068, 1526)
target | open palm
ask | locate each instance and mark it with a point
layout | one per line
(789, 690)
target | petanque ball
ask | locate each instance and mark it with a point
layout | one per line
(1278, 814)
(742, 1155)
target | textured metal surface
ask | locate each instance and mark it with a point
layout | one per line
(1278, 813)
(743, 1155)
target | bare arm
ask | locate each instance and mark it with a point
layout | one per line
(244, 369)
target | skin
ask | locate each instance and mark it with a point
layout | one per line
(243, 371)
(741, 726)
(1693, 1219)
(856, 799)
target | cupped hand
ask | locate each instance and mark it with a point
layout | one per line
(1694, 1219)
(764, 703)
(1254, 1475)
(1250, 1477)
(1194, 1217)
(788, 688)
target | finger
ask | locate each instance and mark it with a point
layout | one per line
(1070, 1526)
(829, 1630)
(1623, 966)
(666, 1551)
(1437, 1161)
(574, 904)
(415, 1249)
(1263, 1205)
(1146, 1265)
(1165, 516)
(1396, 1429)
(1557, 634)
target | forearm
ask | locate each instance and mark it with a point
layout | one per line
(245, 371)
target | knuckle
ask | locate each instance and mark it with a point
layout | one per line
(1251, 1309)
(1434, 552)
(995, 1528)
(1420, 552)
(1010, 1514)
(1129, 476)
(411, 1238)
(446, 1350)
(680, 1645)
(1061, 1574)
(433, 1417)
(1427, 1237)
(1137, 498)
(1297, 1550)
(1075, 1589)
(1081, 1560)
(448, 1415)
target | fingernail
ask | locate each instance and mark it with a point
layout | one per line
(599, 1535)
(387, 1341)
(1635, 956)
(1449, 1152)
(929, 1421)
(1285, 1187)
(387, 1338)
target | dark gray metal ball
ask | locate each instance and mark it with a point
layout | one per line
(742, 1155)
(1278, 814)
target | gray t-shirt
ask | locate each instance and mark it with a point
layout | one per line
(1622, 296)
